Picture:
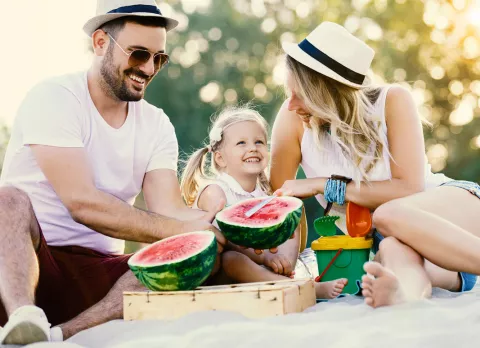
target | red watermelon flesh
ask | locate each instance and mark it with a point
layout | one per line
(270, 212)
(269, 227)
(181, 262)
(173, 250)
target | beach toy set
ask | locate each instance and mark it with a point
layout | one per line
(343, 256)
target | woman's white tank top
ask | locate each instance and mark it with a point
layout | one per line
(331, 160)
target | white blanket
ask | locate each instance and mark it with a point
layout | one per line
(447, 320)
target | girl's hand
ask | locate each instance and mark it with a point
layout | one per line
(279, 264)
(302, 188)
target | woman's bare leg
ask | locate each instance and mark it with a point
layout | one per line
(400, 277)
(442, 278)
(439, 277)
(440, 224)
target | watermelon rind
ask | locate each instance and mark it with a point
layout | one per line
(258, 236)
(181, 274)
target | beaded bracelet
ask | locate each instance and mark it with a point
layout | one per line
(335, 189)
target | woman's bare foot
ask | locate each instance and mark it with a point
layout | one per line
(331, 289)
(380, 286)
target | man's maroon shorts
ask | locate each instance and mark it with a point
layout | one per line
(72, 279)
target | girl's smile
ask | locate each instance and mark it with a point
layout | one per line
(244, 151)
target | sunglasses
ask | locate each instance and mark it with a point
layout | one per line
(140, 57)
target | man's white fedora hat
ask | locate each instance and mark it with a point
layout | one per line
(334, 52)
(108, 10)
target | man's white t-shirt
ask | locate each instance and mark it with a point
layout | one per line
(60, 112)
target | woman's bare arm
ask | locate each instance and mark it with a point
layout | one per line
(286, 156)
(406, 145)
(285, 150)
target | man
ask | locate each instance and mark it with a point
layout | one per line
(82, 148)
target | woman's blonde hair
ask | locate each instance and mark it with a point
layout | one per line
(349, 112)
(195, 169)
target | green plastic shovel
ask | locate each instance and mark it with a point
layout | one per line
(325, 225)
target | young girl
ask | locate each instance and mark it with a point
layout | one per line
(239, 156)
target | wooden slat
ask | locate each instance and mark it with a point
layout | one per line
(254, 300)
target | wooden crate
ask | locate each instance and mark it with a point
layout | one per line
(254, 300)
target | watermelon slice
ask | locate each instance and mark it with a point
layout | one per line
(269, 227)
(180, 262)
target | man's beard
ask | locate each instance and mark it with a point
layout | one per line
(114, 82)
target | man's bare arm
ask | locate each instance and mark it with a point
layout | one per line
(162, 196)
(69, 172)
(161, 191)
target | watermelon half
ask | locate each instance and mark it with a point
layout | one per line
(269, 227)
(180, 262)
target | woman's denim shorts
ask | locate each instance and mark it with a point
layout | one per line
(471, 187)
(468, 280)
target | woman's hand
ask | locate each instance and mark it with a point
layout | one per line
(302, 188)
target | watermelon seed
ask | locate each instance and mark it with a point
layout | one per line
(258, 293)
(148, 296)
(193, 299)
(273, 299)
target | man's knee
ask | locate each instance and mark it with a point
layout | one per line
(130, 282)
(16, 205)
(12, 197)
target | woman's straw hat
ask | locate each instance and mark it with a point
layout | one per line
(332, 51)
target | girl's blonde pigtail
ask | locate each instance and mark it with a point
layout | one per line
(193, 172)
(265, 183)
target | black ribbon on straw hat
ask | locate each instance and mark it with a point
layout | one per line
(137, 9)
(330, 63)
(109, 10)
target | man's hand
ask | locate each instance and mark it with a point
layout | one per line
(279, 264)
(205, 224)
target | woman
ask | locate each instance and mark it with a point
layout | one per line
(335, 123)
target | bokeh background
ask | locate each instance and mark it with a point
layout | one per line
(228, 51)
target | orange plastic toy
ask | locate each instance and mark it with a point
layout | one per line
(359, 220)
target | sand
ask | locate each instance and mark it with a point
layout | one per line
(447, 320)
